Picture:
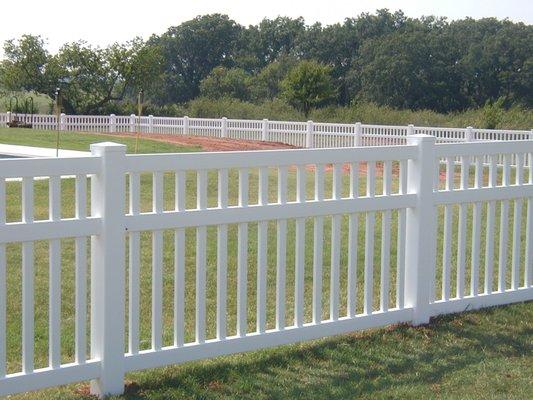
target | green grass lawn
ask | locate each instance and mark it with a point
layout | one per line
(485, 354)
(82, 141)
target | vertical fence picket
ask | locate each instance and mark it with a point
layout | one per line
(222, 257)
(504, 229)
(447, 238)
(262, 248)
(201, 250)
(476, 231)
(491, 218)
(281, 251)
(134, 267)
(299, 251)
(27, 281)
(157, 265)
(385, 240)
(54, 333)
(81, 273)
(461, 233)
(242, 258)
(517, 223)
(179, 263)
(318, 238)
(353, 243)
(400, 251)
(335, 246)
(369, 240)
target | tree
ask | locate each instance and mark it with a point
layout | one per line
(266, 85)
(25, 65)
(418, 71)
(191, 50)
(384, 58)
(224, 82)
(308, 85)
(91, 78)
(274, 38)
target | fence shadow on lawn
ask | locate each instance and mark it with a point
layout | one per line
(398, 361)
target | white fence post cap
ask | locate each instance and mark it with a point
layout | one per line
(108, 147)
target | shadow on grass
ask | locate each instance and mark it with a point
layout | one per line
(399, 361)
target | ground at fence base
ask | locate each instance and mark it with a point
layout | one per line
(476, 355)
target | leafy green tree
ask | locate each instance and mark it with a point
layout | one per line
(385, 58)
(92, 78)
(416, 71)
(274, 38)
(226, 82)
(191, 50)
(266, 85)
(308, 85)
(25, 65)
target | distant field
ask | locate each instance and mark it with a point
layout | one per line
(82, 141)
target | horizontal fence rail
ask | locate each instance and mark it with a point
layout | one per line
(300, 134)
(180, 257)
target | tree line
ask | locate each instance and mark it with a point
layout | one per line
(385, 58)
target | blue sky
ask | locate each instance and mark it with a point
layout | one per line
(102, 22)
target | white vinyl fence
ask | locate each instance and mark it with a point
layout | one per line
(301, 134)
(409, 207)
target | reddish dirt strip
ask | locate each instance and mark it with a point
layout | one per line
(207, 143)
(211, 143)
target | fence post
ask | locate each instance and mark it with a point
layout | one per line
(186, 125)
(132, 123)
(150, 124)
(8, 116)
(469, 134)
(107, 269)
(62, 121)
(112, 123)
(224, 132)
(358, 134)
(421, 227)
(309, 135)
(264, 133)
(410, 130)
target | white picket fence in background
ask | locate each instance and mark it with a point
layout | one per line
(407, 188)
(301, 134)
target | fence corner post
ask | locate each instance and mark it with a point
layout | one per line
(309, 135)
(112, 123)
(150, 124)
(410, 130)
(132, 123)
(469, 134)
(358, 134)
(224, 132)
(421, 227)
(8, 116)
(264, 132)
(62, 121)
(108, 269)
